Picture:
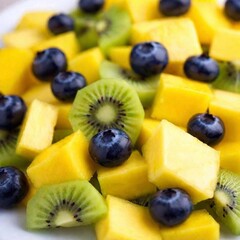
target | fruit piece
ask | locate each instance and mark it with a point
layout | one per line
(12, 111)
(69, 204)
(226, 200)
(32, 139)
(232, 9)
(225, 45)
(207, 128)
(126, 220)
(110, 3)
(64, 161)
(170, 207)
(128, 181)
(121, 56)
(148, 58)
(48, 63)
(190, 164)
(91, 6)
(201, 68)
(88, 63)
(145, 87)
(190, 97)
(174, 7)
(63, 112)
(60, 134)
(110, 147)
(31, 192)
(107, 103)
(13, 187)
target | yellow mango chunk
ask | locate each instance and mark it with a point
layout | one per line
(37, 130)
(15, 64)
(225, 45)
(181, 160)
(63, 161)
(126, 221)
(67, 42)
(226, 105)
(120, 56)
(128, 181)
(63, 112)
(88, 64)
(200, 225)
(178, 99)
(110, 3)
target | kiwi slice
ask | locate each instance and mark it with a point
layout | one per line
(226, 200)
(8, 156)
(146, 87)
(229, 77)
(59, 134)
(107, 103)
(67, 204)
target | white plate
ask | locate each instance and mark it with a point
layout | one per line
(12, 223)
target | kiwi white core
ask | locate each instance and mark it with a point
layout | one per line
(65, 218)
(221, 198)
(106, 114)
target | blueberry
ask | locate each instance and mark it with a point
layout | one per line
(60, 23)
(13, 186)
(170, 206)
(91, 6)
(12, 111)
(207, 128)
(148, 58)
(48, 63)
(66, 84)
(232, 9)
(174, 7)
(110, 147)
(201, 68)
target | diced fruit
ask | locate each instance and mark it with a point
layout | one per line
(232, 9)
(174, 7)
(63, 112)
(60, 134)
(121, 56)
(190, 97)
(180, 160)
(91, 6)
(88, 64)
(109, 3)
(32, 138)
(126, 220)
(128, 181)
(65, 160)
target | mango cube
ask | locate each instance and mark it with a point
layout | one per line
(181, 160)
(121, 56)
(63, 112)
(126, 221)
(178, 99)
(109, 3)
(128, 181)
(63, 161)
(37, 130)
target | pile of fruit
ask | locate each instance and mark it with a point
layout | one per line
(124, 115)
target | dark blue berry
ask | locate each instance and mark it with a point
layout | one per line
(148, 58)
(60, 23)
(13, 186)
(12, 111)
(207, 128)
(201, 68)
(170, 207)
(48, 63)
(66, 84)
(174, 7)
(232, 9)
(110, 147)
(91, 6)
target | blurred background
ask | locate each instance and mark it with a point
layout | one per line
(5, 3)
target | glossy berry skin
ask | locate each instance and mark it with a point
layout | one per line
(201, 68)
(110, 147)
(148, 58)
(207, 128)
(91, 6)
(12, 111)
(232, 9)
(60, 23)
(170, 206)
(48, 63)
(66, 84)
(13, 186)
(174, 7)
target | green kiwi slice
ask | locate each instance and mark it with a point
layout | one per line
(226, 200)
(146, 87)
(107, 103)
(229, 77)
(8, 156)
(68, 204)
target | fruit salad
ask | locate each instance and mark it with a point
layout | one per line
(123, 115)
